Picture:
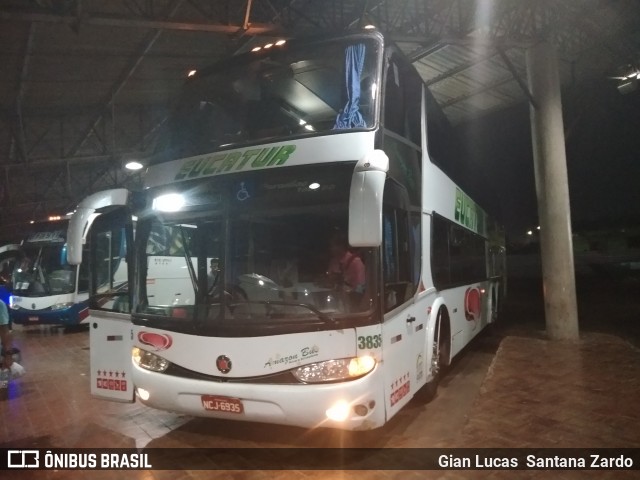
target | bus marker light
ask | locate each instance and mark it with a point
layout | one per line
(361, 365)
(339, 412)
(361, 410)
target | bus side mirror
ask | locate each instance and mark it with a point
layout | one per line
(365, 200)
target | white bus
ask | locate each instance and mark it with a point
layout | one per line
(272, 159)
(45, 288)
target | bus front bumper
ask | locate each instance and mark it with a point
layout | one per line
(360, 401)
(65, 316)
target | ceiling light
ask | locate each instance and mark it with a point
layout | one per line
(268, 45)
(170, 202)
(133, 165)
(191, 73)
(280, 42)
(255, 49)
(314, 186)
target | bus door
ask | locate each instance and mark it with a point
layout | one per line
(100, 232)
(404, 328)
(110, 242)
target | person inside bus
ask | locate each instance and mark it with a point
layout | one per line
(213, 276)
(346, 271)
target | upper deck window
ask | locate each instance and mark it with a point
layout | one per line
(287, 92)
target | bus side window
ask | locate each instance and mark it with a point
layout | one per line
(403, 91)
(394, 99)
(83, 271)
(440, 268)
(400, 247)
(458, 256)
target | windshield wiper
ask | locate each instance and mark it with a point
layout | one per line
(321, 315)
(187, 259)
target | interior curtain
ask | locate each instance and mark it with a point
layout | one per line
(350, 116)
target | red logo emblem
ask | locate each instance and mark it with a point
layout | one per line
(223, 363)
(159, 341)
(472, 304)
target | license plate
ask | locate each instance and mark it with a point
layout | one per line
(222, 404)
(33, 319)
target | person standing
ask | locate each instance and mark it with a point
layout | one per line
(5, 337)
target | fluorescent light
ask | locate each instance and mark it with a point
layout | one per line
(191, 73)
(255, 49)
(170, 202)
(133, 165)
(280, 42)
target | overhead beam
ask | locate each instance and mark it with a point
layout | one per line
(480, 43)
(460, 68)
(473, 93)
(122, 80)
(124, 22)
(521, 83)
(20, 89)
(56, 162)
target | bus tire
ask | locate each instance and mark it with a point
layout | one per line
(439, 357)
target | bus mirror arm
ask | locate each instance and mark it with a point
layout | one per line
(365, 200)
(85, 214)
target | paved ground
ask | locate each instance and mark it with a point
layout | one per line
(509, 389)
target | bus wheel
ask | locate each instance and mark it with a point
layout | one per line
(430, 389)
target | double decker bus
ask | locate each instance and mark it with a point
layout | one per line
(45, 288)
(282, 169)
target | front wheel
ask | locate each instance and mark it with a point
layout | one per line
(430, 389)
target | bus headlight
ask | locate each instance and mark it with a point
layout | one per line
(13, 304)
(335, 370)
(148, 360)
(60, 306)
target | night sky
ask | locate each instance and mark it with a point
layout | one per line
(602, 130)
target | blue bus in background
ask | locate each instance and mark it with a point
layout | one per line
(45, 289)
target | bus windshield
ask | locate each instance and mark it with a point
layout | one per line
(43, 270)
(289, 91)
(268, 249)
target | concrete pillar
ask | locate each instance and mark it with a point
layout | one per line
(552, 188)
